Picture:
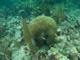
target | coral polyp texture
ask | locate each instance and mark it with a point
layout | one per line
(43, 29)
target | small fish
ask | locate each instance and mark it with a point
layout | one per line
(32, 41)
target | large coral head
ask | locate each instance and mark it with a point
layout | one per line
(43, 29)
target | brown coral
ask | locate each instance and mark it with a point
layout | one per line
(43, 29)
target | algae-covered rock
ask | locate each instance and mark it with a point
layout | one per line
(4, 45)
(73, 54)
(57, 56)
(43, 29)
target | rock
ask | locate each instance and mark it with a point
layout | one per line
(59, 31)
(61, 38)
(53, 51)
(73, 54)
(78, 48)
(78, 21)
(74, 35)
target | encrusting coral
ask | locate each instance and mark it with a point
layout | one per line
(43, 29)
(28, 37)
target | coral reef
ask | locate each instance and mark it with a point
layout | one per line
(40, 38)
(43, 29)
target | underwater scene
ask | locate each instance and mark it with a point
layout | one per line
(39, 29)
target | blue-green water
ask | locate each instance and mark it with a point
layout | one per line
(12, 7)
